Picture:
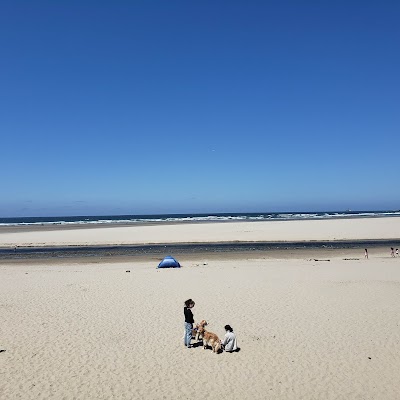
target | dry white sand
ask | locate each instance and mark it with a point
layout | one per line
(337, 229)
(307, 330)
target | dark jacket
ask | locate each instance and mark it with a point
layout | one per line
(188, 315)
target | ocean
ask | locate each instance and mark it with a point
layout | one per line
(215, 217)
(108, 252)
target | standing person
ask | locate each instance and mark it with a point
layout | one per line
(366, 253)
(229, 342)
(392, 251)
(189, 321)
(397, 252)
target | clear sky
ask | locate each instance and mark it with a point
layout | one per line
(131, 107)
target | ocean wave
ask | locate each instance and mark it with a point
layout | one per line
(172, 218)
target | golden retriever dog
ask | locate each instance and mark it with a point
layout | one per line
(200, 329)
(211, 339)
(197, 331)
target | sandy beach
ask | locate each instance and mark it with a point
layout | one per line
(86, 329)
(305, 230)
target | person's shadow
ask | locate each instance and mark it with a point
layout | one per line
(237, 350)
(233, 351)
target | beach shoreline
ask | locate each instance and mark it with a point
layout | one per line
(86, 313)
(38, 227)
(306, 231)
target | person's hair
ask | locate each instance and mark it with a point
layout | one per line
(228, 328)
(189, 302)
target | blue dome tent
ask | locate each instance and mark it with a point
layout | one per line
(169, 262)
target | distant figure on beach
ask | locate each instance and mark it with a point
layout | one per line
(189, 321)
(229, 343)
(397, 252)
(366, 253)
(392, 251)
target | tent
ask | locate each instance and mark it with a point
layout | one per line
(169, 262)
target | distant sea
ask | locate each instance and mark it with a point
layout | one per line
(28, 252)
(140, 219)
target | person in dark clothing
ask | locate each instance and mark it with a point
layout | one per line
(189, 321)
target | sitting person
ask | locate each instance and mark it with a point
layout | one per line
(229, 343)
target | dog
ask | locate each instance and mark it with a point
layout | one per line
(211, 339)
(197, 331)
(200, 329)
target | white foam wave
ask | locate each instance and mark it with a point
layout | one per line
(210, 218)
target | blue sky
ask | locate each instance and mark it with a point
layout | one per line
(214, 106)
